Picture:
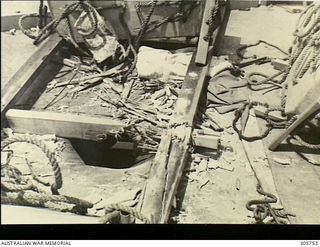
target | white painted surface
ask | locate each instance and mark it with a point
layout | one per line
(29, 215)
(19, 7)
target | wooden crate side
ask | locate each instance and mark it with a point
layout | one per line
(111, 11)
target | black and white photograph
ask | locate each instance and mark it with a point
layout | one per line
(160, 112)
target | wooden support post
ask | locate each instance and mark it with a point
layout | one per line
(203, 45)
(61, 124)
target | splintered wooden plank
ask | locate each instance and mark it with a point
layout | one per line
(203, 44)
(61, 124)
(24, 82)
(153, 192)
(168, 165)
(169, 162)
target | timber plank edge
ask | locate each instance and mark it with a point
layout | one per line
(65, 125)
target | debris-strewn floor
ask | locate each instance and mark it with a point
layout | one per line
(212, 190)
(216, 195)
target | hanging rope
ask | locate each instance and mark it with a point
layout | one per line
(144, 24)
(211, 21)
(64, 16)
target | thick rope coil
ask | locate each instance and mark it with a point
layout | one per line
(16, 187)
(284, 95)
(276, 124)
(56, 202)
(33, 139)
(305, 50)
(312, 18)
(119, 207)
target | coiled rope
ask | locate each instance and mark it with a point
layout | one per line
(52, 26)
(306, 144)
(305, 51)
(33, 139)
(270, 123)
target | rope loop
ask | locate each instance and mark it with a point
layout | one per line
(109, 209)
(33, 139)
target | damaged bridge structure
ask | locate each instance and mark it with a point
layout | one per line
(158, 112)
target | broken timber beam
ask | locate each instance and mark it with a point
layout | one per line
(174, 149)
(169, 162)
(65, 125)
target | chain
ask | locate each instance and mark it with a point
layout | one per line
(263, 209)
